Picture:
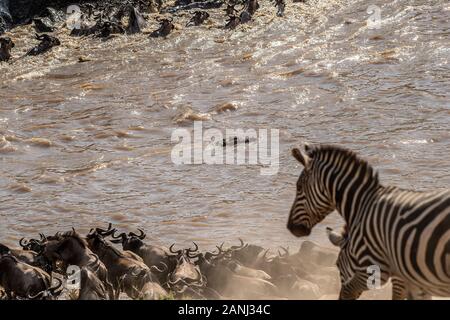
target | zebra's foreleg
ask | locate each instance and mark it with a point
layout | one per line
(353, 289)
(399, 291)
(416, 293)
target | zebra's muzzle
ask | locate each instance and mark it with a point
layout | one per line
(299, 230)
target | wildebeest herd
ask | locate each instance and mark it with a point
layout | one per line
(42, 269)
(105, 20)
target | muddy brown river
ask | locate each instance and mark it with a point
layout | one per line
(84, 144)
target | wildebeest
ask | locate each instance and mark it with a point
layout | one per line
(126, 274)
(186, 273)
(232, 22)
(280, 5)
(223, 280)
(28, 256)
(230, 9)
(47, 42)
(91, 288)
(166, 26)
(251, 6)
(71, 249)
(157, 257)
(198, 18)
(33, 244)
(246, 271)
(20, 280)
(6, 44)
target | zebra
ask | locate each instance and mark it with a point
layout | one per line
(348, 267)
(405, 233)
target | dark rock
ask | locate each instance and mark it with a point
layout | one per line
(54, 15)
(136, 21)
(5, 16)
(43, 25)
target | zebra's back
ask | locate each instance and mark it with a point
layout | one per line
(415, 236)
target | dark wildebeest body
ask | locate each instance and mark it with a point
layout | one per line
(47, 43)
(166, 26)
(126, 274)
(71, 249)
(155, 257)
(6, 44)
(22, 280)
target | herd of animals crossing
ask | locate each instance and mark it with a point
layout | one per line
(106, 20)
(405, 233)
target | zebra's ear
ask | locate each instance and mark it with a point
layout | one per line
(308, 147)
(335, 238)
(302, 158)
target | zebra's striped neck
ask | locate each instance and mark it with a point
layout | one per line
(351, 182)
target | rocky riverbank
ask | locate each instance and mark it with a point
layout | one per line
(13, 13)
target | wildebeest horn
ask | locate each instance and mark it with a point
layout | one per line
(176, 252)
(94, 263)
(286, 252)
(123, 237)
(220, 248)
(140, 236)
(160, 270)
(43, 237)
(193, 250)
(38, 295)
(194, 255)
(107, 232)
(23, 243)
(265, 255)
(53, 291)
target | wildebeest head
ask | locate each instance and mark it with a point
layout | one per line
(34, 244)
(4, 249)
(186, 273)
(131, 242)
(165, 27)
(68, 247)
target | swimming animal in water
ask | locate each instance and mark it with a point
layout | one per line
(47, 42)
(198, 18)
(166, 26)
(6, 44)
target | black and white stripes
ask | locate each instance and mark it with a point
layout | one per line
(404, 233)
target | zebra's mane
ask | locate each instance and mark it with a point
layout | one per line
(324, 151)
